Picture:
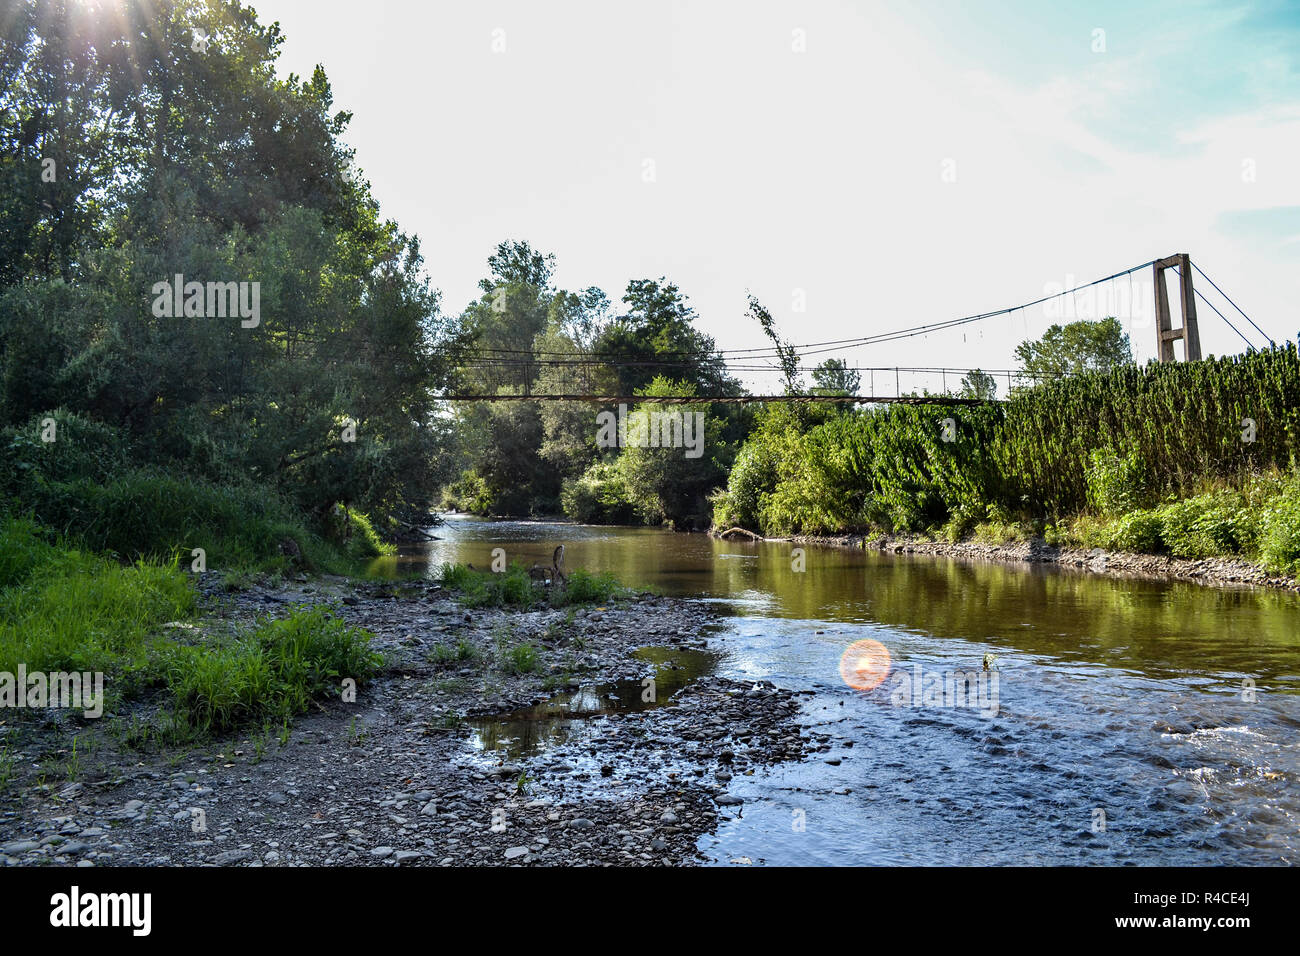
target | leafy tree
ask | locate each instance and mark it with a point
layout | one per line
(1081, 346)
(978, 384)
(663, 484)
(567, 368)
(657, 332)
(512, 310)
(175, 157)
(834, 377)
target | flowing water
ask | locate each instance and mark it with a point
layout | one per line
(1131, 720)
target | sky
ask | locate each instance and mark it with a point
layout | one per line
(860, 167)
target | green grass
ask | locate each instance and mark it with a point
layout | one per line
(520, 659)
(462, 651)
(241, 528)
(64, 610)
(70, 611)
(272, 674)
(514, 588)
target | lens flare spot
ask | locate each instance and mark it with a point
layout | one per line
(864, 664)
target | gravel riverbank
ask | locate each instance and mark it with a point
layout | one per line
(1217, 571)
(401, 776)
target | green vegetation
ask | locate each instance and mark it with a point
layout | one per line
(1190, 459)
(1081, 346)
(463, 651)
(515, 588)
(263, 438)
(521, 458)
(520, 659)
(64, 610)
(272, 674)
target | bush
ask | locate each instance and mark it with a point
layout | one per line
(1139, 532)
(1280, 532)
(583, 587)
(1115, 484)
(21, 550)
(81, 448)
(469, 493)
(1208, 525)
(143, 514)
(598, 496)
(511, 587)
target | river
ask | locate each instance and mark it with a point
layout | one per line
(1135, 721)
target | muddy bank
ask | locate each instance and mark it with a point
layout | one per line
(427, 766)
(1217, 571)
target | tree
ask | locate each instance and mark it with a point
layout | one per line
(174, 157)
(786, 354)
(658, 330)
(512, 310)
(834, 377)
(673, 483)
(566, 368)
(1081, 346)
(978, 384)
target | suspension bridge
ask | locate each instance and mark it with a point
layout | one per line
(877, 379)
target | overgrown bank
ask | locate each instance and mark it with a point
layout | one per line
(1189, 460)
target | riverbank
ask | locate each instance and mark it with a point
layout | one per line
(402, 775)
(1222, 571)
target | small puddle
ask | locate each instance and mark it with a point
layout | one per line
(530, 730)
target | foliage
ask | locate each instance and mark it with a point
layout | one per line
(349, 335)
(667, 483)
(834, 377)
(514, 588)
(1116, 483)
(598, 496)
(1182, 421)
(1108, 443)
(274, 673)
(978, 384)
(1081, 346)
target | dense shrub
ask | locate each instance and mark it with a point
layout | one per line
(1116, 483)
(1139, 531)
(598, 496)
(1113, 442)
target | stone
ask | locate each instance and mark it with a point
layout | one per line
(230, 857)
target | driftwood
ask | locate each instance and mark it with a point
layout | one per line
(416, 530)
(749, 534)
(552, 575)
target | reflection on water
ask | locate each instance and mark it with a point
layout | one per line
(524, 732)
(1161, 628)
(1167, 710)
